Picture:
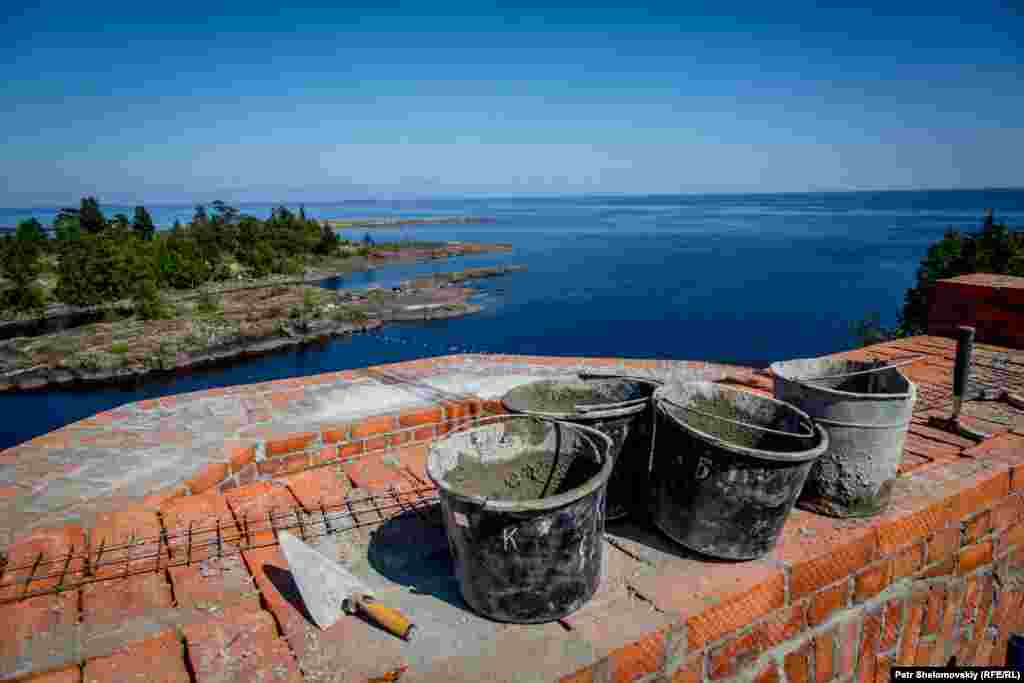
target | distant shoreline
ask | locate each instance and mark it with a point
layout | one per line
(398, 222)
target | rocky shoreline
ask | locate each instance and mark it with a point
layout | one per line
(61, 316)
(250, 322)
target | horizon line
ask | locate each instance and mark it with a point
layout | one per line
(440, 197)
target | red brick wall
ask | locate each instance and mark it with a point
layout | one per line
(994, 304)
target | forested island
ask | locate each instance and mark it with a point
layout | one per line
(222, 285)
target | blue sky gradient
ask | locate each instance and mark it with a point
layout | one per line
(188, 101)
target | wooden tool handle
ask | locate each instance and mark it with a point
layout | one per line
(386, 617)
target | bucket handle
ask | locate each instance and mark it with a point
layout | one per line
(887, 366)
(594, 375)
(767, 430)
(590, 407)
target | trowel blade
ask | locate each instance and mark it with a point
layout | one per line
(323, 583)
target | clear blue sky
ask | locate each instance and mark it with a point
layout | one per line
(189, 101)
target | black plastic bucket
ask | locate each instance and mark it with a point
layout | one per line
(620, 407)
(522, 499)
(728, 467)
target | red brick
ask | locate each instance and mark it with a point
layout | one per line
(911, 633)
(414, 460)
(828, 554)
(977, 526)
(638, 659)
(910, 521)
(584, 675)
(285, 464)
(351, 449)
(945, 568)
(981, 617)
(893, 625)
(70, 675)
(239, 645)
(743, 649)
(337, 433)
(52, 618)
(872, 581)
(373, 426)
(121, 599)
(979, 491)
(827, 601)
(770, 674)
(252, 504)
(925, 650)
(975, 556)
(131, 533)
(372, 472)
(848, 646)
(934, 608)
(214, 584)
(692, 671)
(201, 512)
(416, 418)
(157, 660)
(289, 444)
(943, 545)
(883, 670)
(207, 478)
(325, 486)
(1015, 535)
(377, 444)
(326, 455)
(51, 546)
(239, 453)
(798, 664)
(908, 562)
(423, 434)
(954, 594)
(869, 646)
(714, 603)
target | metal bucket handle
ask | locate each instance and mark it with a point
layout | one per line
(887, 366)
(767, 430)
(591, 407)
(637, 378)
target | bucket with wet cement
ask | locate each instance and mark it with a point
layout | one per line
(522, 499)
(728, 467)
(620, 407)
(866, 408)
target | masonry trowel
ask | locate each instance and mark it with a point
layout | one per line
(328, 590)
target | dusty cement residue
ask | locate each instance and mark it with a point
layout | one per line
(563, 396)
(730, 432)
(533, 474)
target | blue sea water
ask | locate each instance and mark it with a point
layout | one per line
(733, 278)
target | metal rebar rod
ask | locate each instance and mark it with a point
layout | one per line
(962, 367)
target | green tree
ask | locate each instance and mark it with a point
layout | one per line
(90, 217)
(67, 226)
(120, 222)
(21, 266)
(142, 223)
(31, 230)
(329, 241)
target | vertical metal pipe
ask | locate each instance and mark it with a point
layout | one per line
(962, 369)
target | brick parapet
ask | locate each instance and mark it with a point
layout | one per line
(935, 576)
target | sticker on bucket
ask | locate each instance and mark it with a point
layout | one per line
(703, 469)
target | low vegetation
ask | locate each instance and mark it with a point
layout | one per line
(94, 260)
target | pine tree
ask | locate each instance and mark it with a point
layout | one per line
(142, 224)
(90, 217)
